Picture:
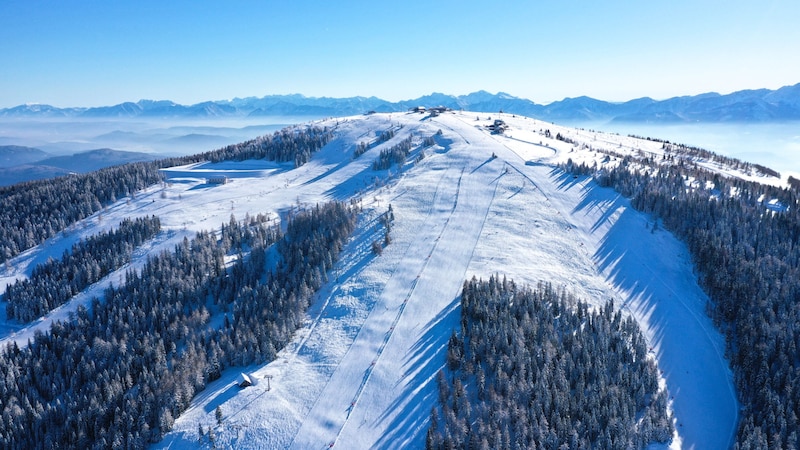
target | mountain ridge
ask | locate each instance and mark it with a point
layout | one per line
(14, 155)
(750, 105)
(34, 164)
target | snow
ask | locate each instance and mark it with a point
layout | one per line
(230, 169)
(360, 372)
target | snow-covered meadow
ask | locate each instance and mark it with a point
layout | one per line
(360, 373)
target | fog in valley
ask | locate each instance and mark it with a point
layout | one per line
(166, 137)
(775, 145)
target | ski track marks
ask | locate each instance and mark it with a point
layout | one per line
(377, 337)
(399, 315)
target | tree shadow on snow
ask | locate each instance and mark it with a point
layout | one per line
(566, 180)
(222, 397)
(490, 159)
(357, 183)
(411, 410)
(651, 273)
(592, 196)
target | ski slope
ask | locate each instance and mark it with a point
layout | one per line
(361, 371)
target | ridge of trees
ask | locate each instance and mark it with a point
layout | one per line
(395, 154)
(54, 282)
(692, 152)
(384, 136)
(536, 368)
(398, 153)
(34, 211)
(117, 374)
(748, 262)
(291, 144)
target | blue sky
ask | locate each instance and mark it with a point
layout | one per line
(89, 53)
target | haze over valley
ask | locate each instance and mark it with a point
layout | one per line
(755, 125)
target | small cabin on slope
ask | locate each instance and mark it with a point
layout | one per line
(221, 179)
(243, 380)
(498, 127)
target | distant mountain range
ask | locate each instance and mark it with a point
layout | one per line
(18, 163)
(760, 105)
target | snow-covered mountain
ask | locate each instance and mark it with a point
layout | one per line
(467, 202)
(761, 105)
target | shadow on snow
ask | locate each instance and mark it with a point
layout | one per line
(425, 359)
(651, 271)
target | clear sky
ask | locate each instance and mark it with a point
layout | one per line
(91, 53)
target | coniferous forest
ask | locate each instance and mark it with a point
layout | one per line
(53, 283)
(34, 211)
(536, 368)
(396, 154)
(118, 373)
(748, 261)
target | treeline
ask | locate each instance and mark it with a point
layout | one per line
(116, 375)
(362, 146)
(690, 152)
(53, 283)
(535, 368)
(291, 144)
(34, 211)
(748, 262)
(395, 154)
(265, 315)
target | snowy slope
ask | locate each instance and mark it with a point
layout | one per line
(360, 373)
